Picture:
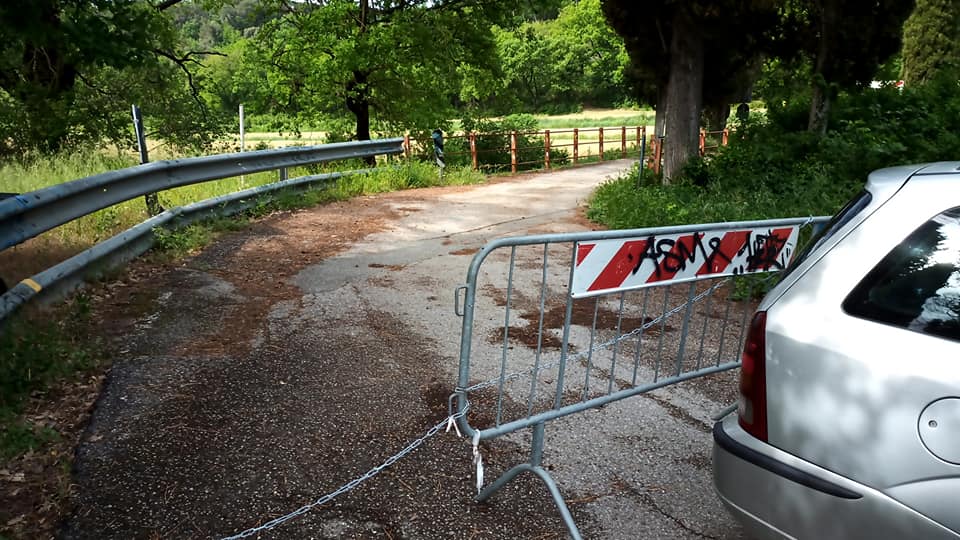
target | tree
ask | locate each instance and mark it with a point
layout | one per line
(669, 42)
(931, 40)
(396, 61)
(56, 51)
(846, 41)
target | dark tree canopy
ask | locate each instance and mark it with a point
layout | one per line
(931, 40)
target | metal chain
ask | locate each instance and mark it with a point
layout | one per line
(353, 483)
(645, 326)
(453, 417)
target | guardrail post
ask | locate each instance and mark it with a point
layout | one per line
(601, 144)
(703, 142)
(513, 152)
(623, 141)
(283, 173)
(473, 152)
(150, 199)
(546, 148)
(576, 145)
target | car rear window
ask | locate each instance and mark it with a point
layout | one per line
(848, 212)
(917, 285)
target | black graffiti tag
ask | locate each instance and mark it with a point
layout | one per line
(672, 256)
(765, 252)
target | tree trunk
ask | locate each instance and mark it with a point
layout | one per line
(684, 95)
(716, 115)
(358, 103)
(822, 90)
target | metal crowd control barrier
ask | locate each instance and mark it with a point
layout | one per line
(586, 319)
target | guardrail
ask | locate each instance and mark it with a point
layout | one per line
(27, 215)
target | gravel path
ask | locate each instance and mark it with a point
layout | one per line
(289, 358)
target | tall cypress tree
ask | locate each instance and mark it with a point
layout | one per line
(930, 40)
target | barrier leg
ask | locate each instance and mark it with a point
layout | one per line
(536, 456)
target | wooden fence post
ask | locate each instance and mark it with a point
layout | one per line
(725, 138)
(703, 142)
(513, 152)
(601, 144)
(657, 155)
(406, 146)
(576, 145)
(546, 148)
(473, 152)
(623, 142)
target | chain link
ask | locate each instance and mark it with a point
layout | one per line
(453, 417)
(353, 483)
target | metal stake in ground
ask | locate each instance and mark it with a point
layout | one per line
(153, 204)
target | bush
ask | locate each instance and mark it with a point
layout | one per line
(770, 170)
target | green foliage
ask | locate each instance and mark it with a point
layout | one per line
(63, 85)
(391, 64)
(770, 171)
(181, 241)
(562, 64)
(931, 40)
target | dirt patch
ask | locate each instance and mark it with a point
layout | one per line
(465, 251)
(527, 336)
(393, 267)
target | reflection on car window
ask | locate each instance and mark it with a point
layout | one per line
(917, 285)
(851, 209)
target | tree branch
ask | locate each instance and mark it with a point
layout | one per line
(166, 4)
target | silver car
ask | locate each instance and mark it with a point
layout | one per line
(848, 424)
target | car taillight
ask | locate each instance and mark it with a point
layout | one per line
(752, 410)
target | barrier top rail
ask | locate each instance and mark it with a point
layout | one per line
(27, 215)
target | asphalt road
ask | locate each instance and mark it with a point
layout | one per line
(286, 360)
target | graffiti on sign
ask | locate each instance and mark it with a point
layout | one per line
(606, 266)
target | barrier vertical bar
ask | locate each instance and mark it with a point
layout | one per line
(473, 152)
(576, 145)
(623, 142)
(565, 344)
(601, 144)
(513, 152)
(546, 148)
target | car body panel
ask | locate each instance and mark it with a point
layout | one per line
(846, 395)
(773, 507)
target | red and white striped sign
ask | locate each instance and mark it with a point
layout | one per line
(606, 266)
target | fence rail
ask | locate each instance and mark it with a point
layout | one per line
(523, 150)
(563, 323)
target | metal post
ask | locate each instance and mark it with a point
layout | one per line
(150, 199)
(513, 152)
(601, 144)
(536, 450)
(576, 145)
(642, 143)
(283, 173)
(242, 129)
(546, 149)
